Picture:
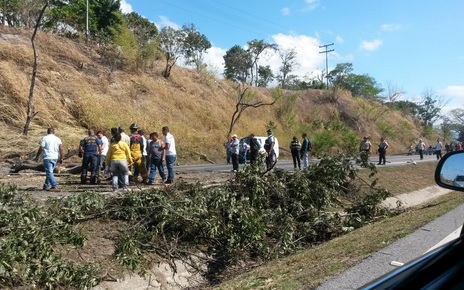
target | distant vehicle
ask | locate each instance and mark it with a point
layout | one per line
(261, 141)
(459, 181)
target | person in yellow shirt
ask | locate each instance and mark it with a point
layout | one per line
(119, 159)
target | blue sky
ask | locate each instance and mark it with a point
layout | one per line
(414, 45)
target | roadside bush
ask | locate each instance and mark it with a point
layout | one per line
(257, 216)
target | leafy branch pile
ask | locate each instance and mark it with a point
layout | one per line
(255, 217)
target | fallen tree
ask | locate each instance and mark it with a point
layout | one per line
(71, 168)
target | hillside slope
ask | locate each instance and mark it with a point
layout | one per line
(80, 85)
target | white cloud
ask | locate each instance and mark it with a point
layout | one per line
(310, 5)
(390, 27)
(371, 45)
(454, 91)
(164, 21)
(126, 7)
(215, 61)
(339, 39)
(308, 57)
(285, 11)
(309, 61)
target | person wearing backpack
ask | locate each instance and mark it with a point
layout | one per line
(255, 146)
(305, 150)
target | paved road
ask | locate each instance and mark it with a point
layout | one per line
(433, 234)
(392, 160)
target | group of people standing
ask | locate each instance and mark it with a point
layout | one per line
(300, 151)
(121, 155)
(239, 151)
(365, 147)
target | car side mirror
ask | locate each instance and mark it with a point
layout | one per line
(450, 171)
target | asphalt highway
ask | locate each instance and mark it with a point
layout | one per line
(392, 160)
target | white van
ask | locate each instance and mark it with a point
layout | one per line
(261, 141)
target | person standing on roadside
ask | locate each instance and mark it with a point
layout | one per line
(269, 147)
(171, 154)
(90, 148)
(234, 151)
(118, 161)
(438, 148)
(383, 146)
(145, 146)
(227, 146)
(156, 156)
(255, 146)
(421, 148)
(104, 149)
(365, 145)
(52, 150)
(295, 149)
(305, 150)
(124, 137)
(243, 151)
(136, 148)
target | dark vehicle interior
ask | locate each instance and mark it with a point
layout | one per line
(442, 268)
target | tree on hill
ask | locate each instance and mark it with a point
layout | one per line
(256, 48)
(237, 63)
(104, 16)
(171, 42)
(194, 46)
(242, 65)
(146, 37)
(288, 58)
(359, 85)
(265, 75)
(429, 108)
(21, 13)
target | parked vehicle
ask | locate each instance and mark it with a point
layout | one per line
(442, 268)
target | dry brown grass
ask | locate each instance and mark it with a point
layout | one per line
(407, 178)
(76, 89)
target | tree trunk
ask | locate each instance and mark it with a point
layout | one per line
(4, 13)
(30, 105)
(37, 166)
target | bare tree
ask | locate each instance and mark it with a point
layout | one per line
(244, 101)
(393, 92)
(30, 105)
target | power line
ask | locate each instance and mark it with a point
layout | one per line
(326, 51)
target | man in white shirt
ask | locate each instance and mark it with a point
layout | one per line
(171, 154)
(104, 148)
(51, 148)
(438, 148)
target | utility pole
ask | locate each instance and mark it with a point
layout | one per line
(87, 19)
(326, 61)
(4, 13)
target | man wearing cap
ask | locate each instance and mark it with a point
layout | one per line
(136, 149)
(234, 151)
(269, 147)
(171, 153)
(365, 145)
